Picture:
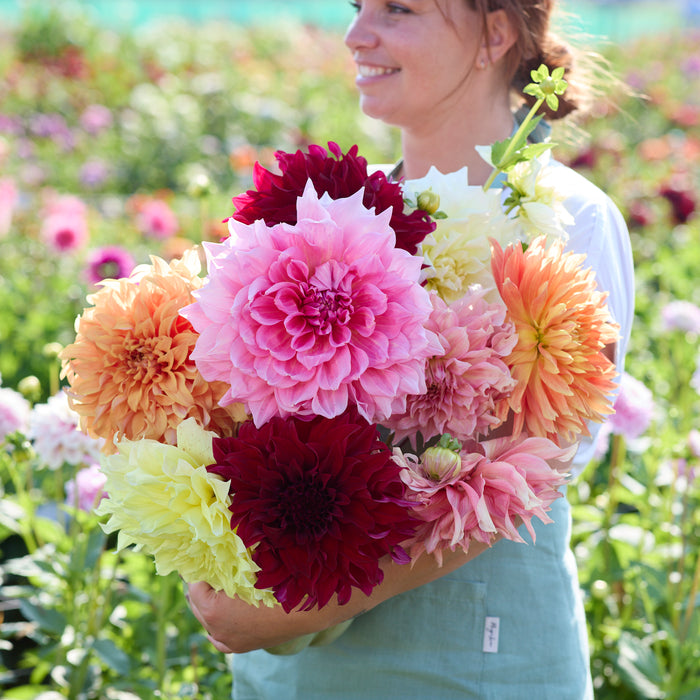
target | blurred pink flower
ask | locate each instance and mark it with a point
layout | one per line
(65, 233)
(53, 428)
(634, 408)
(467, 379)
(96, 118)
(694, 442)
(313, 317)
(85, 491)
(8, 201)
(14, 412)
(499, 481)
(155, 218)
(680, 315)
(64, 227)
(67, 205)
(109, 262)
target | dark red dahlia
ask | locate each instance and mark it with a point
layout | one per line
(681, 197)
(274, 198)
(322, 502)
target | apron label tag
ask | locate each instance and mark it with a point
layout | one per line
(491, 626)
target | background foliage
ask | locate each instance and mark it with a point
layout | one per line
(185, 112)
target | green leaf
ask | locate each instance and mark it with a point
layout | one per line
(30, 692)
(11, 514)
(534, 150)
(113, 656)
(638, 667)
(50, 621)
(552, 102)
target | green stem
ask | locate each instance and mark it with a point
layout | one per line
(162, 608)
(617, 454)
(511, 143)
(690, 609)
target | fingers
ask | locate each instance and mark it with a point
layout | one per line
(201, 598)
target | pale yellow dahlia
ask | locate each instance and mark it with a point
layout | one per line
(163, 500)
(129, 369)
(540, 206)
(458, 252)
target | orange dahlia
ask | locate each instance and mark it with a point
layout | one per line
(562, 321)
(129, 369)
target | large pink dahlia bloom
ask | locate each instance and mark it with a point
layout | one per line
(480, 498)
(312, 317)
(468, 379)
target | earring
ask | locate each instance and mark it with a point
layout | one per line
(482, 63)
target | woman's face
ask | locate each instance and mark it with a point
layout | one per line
(414, 58)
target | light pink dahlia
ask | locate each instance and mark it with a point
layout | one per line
(313, 317)
(467, 379)
(498, 481)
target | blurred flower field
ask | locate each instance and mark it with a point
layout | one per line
(117, 146)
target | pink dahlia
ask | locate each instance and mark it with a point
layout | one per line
(468, 378)
(14, 412)
(319, 501)
(9, 197)
(634, 408)
(86, 490)
(340, 175)
(65, 232)
(481, 496)
(156, 219)
(109, 262)
(312, 317)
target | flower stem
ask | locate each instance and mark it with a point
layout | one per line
(691, 602)
(511, 143)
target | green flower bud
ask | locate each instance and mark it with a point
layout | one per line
(600, 589)
(443, 459)
(199, 184)
(30, 388)
(52, 350)
(428, 201)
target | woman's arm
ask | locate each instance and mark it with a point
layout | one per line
(236, 627)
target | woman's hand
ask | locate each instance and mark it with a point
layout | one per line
(234, 626)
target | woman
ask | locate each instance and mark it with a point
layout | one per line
(500, 622)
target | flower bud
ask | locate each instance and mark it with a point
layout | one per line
(442, 460)
(199, 184)
(428, 201)
(600, 589)
(30, 388)
(52, 350)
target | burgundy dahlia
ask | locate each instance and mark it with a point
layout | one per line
(321, 500)
(340, 175)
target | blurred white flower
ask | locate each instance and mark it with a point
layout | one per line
(14, 412)
(53, 429)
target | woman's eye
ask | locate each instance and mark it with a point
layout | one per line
(396, 8)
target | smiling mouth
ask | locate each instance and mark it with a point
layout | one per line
(374, 71)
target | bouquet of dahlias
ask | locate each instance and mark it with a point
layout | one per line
(244, 411)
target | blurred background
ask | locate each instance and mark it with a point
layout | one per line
(614, 19)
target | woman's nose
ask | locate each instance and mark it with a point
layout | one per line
(361, 33)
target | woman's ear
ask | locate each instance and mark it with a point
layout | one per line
(499, 36)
